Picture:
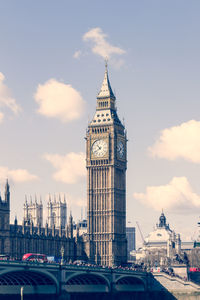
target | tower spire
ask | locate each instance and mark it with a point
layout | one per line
(106, 90)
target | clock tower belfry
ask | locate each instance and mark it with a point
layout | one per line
(106, 162)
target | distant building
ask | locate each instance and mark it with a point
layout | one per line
(31, 237)
(130, 235)
(161, 240)
(81, 226)
(164, 237)
(57, 212)
(188, 245)
(196, 237)
(33, 212)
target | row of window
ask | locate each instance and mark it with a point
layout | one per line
(102, 115)
(104, 120)
(100, 130)
(103, 104)
(99, 162)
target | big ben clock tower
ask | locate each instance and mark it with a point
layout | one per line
(106, 161)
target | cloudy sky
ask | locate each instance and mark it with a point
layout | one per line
(51, 69)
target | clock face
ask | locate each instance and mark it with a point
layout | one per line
(99, 148)
(120, 149)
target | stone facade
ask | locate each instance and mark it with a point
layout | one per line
(130, 235)
(57, 212)
(33, 212)
(106, 161)
(16, 240)
(5, 221)
(162, 242)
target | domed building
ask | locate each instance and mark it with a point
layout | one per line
(161, 240)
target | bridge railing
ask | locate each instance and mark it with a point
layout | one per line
(73, 266)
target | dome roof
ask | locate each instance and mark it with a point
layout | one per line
(161, 234)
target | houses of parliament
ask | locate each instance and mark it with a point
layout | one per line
(106, 162)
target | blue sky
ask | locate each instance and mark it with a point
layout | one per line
(154, 69)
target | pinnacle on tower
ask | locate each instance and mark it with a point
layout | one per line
(49, 198)
(7, 191)
(70, 217)
(70, 225)
(106, 90)
(7, 187)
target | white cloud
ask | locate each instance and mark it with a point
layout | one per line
(77, 54)
(59, 100)
(181, 141)
(5, 98)
(70, 167)
(101, 46)
(1, 117)
(176, 196)
(17, 175)
(74, 201)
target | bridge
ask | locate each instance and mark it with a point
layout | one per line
(64, 281)
(54, 279)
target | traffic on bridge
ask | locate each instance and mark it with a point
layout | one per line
(55, 280)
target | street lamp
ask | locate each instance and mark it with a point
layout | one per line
(22, 293)
(62, 250)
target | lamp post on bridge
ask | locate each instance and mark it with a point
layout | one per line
(22, 293)
(62, 251)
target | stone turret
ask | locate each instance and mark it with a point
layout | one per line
(77, 230)
(7, 192)
(33, 212)
(5, 209)
(46, 229)
(70, 226)
(57, 212)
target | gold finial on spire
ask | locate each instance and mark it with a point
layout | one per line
(106, 63)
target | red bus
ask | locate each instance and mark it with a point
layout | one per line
(194, 269)
(35, 257)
